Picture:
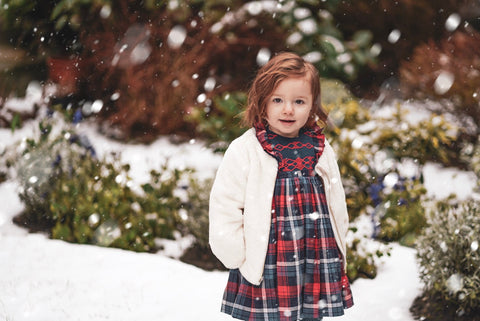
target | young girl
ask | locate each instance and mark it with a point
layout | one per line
(278, 216)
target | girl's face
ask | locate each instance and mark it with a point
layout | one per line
(289, 106)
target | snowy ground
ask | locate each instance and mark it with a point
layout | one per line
(45, 280)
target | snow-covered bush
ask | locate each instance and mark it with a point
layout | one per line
(362, 263)
(194, 214)
(196, 211)
(449, 257)
(40, 161)
(400, 214)
(380, 157)
(77, 197)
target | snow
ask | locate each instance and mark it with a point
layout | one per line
(441, 182)
(44, 279)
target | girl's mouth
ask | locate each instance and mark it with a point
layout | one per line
(287, 121)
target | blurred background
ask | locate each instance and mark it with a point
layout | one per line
(400, 79)
(154, 64)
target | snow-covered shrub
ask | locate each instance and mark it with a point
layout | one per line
(363, 252)
(40, 162)
(194, 214)
(380, 157)
(406, 134)
(449, 257)
(77, 197)
(400, 215)
(196, 210)
(96, 204)
(361, 263)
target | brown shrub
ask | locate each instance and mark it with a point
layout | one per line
(155, 94)
(457, 58)
(417, 21)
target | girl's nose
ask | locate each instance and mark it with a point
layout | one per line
(287, 108)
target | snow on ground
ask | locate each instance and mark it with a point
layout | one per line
(441, 182)
(44, 280)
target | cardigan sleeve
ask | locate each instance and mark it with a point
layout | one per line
(337, 200)
(227, 198)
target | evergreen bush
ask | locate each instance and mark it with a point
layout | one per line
(79, 198)
(380, 158)
(315, 34)
(362, 262)
(196, 207)
(220, 123)
(401, 215)
(449, 257)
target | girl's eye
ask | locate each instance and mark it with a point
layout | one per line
(277, 100)
(299, 102)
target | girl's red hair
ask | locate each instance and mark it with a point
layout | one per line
(282, 66)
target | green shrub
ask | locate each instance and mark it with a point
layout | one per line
(31, 25)
(471, 155)
(96, 205)
(429, 139)
(220, 123)
(361, 263)
(196, 207)
(79, 198)
(449, 257)
(366, 139)
(315, 33)
(39, 164)
(401, 214)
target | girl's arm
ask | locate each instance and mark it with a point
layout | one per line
(227, 198)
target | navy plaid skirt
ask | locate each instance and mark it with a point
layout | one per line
(303, 278)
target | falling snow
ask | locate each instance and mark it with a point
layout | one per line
(44, 279)
(453, 21)
(394, 36)
(263, 56)
(176, 37)
(152, 285)
(474, 246)
(444, 82)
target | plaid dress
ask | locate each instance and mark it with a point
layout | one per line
(303, 278)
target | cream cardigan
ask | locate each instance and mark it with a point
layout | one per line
(241, 204)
